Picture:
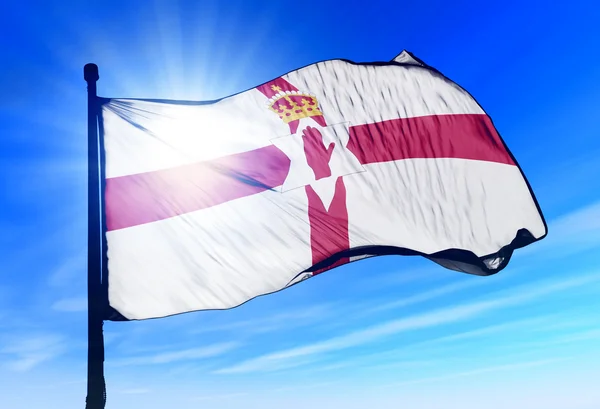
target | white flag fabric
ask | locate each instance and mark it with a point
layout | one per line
(210, 204)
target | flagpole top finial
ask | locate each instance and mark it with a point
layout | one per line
(90, 73)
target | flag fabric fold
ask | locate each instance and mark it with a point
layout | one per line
(210, 204)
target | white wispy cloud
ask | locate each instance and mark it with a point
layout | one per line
(75, 304)
(429, 295)
(305, 386)
(529, 327)
(277, 321)
(314, 314)
(366, 363)
(218, 397)
(5, 293)
(478, 371)
(68, 383)
(176, 356)
(397, 358)
(399, 277)
(27, 351)
(571, 176)
(443, 316)
(571, 233)
(569, 339)
(72, 268)
(110, 337)
(134, 391)
(529, 323)
(356, 309)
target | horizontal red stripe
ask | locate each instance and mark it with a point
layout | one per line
(466, 136)
(147, 197)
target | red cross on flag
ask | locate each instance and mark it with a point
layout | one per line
(210, 204)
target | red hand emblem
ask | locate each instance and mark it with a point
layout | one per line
(317, 155)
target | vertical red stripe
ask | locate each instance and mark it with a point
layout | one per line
(328, 227)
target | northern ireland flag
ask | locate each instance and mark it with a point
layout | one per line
(210, 204)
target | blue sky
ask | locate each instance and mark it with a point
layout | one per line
(383, 333)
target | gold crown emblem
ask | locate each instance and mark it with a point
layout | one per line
(293, 105)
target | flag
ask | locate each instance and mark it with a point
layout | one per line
(210, 204)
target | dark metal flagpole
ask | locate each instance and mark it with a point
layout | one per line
(96, 396)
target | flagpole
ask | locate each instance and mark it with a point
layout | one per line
(96, 397)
